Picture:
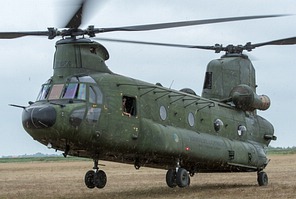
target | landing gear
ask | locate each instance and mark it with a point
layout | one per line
(95, 178)
(89, 179)
(179, 176)
(262, 178)
(171, 178)
(182, 178)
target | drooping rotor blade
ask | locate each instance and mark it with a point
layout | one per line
(217, 47)
(75, 21)
(181, 24)
(286, 41)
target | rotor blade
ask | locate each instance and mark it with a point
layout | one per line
(181, 24)
(286, 41)
(145, 43)
(216, 47)
(75, 21)
(13, 35)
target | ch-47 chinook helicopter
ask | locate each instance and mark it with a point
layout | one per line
(86, 110)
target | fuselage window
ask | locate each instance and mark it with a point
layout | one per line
(191, 119)
(129, 106)
(241, 130)
(163, 113)
(93, 114)
(56, 91)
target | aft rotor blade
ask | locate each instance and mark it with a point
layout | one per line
(181, 24)
(286, 41)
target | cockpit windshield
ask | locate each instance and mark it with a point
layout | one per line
(75, 91)
(75, 88)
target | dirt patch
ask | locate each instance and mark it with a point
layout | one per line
(66, 180)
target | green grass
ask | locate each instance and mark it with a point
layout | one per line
(41, 159)
(270, 151)
(281, 151)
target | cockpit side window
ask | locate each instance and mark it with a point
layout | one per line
(95, 95)
(43, 94)
(92, 95)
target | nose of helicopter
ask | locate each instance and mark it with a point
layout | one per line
(39, 117)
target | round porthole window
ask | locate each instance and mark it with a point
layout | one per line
(191, 119)
(241, 130)
(163, 113)
(218, 124)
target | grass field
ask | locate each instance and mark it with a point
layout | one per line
(65, 179)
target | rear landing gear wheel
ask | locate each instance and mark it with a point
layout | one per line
(262, 178)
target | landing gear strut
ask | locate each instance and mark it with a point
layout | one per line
(95, 178)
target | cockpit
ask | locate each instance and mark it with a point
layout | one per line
(80, 94)
(76, 88)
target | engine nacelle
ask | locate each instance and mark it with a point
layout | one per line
(246, 99)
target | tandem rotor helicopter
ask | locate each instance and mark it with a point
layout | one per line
(86, 110)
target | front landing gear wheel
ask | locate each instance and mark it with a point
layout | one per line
(89, 179)
(262, 178)
(182, 178)
(171, 178)
(100, 179)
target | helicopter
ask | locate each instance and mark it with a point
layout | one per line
(86, 110)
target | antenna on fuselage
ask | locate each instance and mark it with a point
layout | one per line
(171, 84)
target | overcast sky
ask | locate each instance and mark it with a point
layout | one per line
(26, 62)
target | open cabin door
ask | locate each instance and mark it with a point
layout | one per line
(123, 122)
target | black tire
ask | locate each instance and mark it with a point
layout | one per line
(171, 178)
(89, 179)
(100, 179)
(262, 178)
(182, 178)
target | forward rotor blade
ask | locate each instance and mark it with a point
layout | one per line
(75, 21)
(181, 24)
(13, 35)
